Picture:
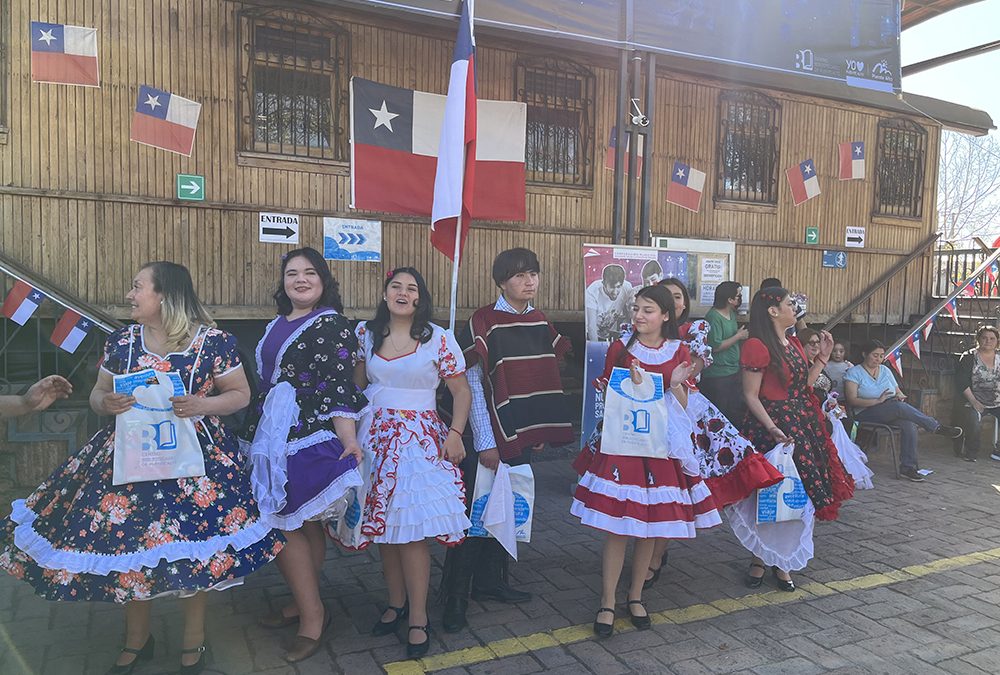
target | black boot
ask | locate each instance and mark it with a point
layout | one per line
(491, 581)
(455, 582)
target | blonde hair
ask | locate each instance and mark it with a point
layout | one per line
(181, 310)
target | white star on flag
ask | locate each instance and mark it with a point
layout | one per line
(46, 36)
(808, 169)
(383, 118)
(857, 149)
(152, 101)
(680, 173)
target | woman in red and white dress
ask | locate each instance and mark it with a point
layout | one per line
(644, 498)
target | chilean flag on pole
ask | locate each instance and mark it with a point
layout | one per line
(685, 187)
(893, 360)
(21, 302)
(852, 160)
(913, 342)
(454, 179)
(62, 54)
(164, 120)
(70, 331)
(803, 181)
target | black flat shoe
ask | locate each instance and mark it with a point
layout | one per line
(648, 583)
(415, 651)
(640, 622)
(603, 630)
(388, 627)
(145, 653)
(198, 665)
(453, 619)
(751, 581)
(786, 585)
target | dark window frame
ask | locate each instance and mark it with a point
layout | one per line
(900, 165)
(559, 133)
(748, 149)
(313, 54)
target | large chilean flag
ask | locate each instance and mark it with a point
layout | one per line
(394, 150)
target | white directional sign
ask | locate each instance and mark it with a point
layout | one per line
(855, 237)
(279, 228)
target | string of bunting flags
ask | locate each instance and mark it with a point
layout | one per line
(23, 301)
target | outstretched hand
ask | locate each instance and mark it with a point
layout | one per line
(681, 373)
(47, 391)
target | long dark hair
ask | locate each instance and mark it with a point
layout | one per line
(331, 289)
(762, 327)
(674, 281)
(665, 301)
(421, 330)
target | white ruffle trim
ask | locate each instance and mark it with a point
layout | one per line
(426, 502)
(269, 450)
(47, 556)
(664, 494)
(329, 504)
(630, 527)
(854, 459)
(786, 545)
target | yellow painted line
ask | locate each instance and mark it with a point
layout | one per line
(571, 634)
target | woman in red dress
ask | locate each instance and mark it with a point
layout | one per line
(644, 498)
(781, 408)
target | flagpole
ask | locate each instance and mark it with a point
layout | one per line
(454, 271)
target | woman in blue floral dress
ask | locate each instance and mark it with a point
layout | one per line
(79, 537)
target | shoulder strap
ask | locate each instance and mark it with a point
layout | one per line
(197, 357)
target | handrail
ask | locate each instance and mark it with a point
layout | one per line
(959, 289)
(880, 282)
(101, 319)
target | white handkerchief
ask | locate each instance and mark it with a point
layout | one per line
(498, 516)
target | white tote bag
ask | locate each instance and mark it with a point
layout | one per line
(635, 416)
(522, 484)
(151, 442)
(785, 500)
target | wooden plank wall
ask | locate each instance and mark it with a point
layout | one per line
(83, 206)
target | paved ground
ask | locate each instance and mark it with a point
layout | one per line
(908, 581)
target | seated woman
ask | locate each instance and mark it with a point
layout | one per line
(978, 380)
(872, 393)
(837, 366)
(823, 385)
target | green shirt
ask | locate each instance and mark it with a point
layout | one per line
(724, 361)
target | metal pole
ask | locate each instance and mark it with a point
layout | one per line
(616, 208)
(645, 231)
(633, 156)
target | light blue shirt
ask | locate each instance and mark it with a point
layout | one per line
(869, 387)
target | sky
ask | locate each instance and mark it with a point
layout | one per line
(972, 81)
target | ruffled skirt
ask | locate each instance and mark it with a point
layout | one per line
(730, 465)
(413, 494)
(78, 537)
(641, 497)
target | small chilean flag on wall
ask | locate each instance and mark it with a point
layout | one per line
(852, 160)
(70, 331)
(164, 120)
(686, 186)
(64, 54)
(21, 302)
(803, 181)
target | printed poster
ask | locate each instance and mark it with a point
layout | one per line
(350, 239)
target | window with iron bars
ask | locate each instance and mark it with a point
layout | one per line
(559, 139)
(294, 86)
(748, 148)
(899, 174)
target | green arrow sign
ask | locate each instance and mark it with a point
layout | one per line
(190, 187)
(812, 235)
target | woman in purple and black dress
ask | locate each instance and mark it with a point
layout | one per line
(301, 435)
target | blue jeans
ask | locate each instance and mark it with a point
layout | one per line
(907, 418)
(970, 421)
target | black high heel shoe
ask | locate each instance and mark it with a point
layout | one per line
(198, 665)
(416, 650)
(640, 622)
(603, 630)
(145, 653)
(389, 627)
(749, 580)
(786, 585)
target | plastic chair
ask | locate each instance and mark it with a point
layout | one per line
(878, 431)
